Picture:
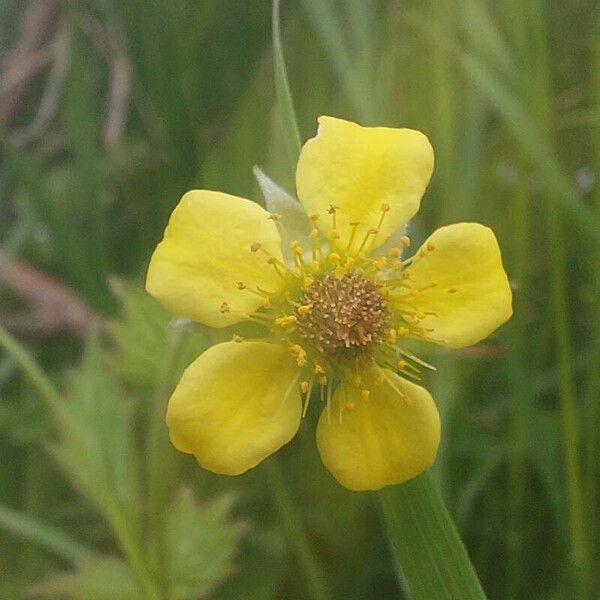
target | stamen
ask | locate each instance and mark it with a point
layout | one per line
(308, 396)
(286, 320)
(331, 211)
(354, 225)
(416, 359)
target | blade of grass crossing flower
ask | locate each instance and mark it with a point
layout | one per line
(433, 559)
(285, 104)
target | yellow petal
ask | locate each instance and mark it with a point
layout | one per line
(388, 438)
(357, 170)
(471, 297)
(205, 252)
(235, 405)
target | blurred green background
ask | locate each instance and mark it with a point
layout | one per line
(109, 111)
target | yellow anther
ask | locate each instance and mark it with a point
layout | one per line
(274, 217)
(319, 370)
(297, 247)
(334, 256)
(385, 207)
(403, 331)
(304, 309)
(237, 338)
(401, 364)
(335, 235)
(299, 354)
(430, 247)
(365, 394)
(315, 265)
(323, 380)
(224, 308)
(339, 272)
(297, 272)
(286, 320)
(255, 247)
(396, 265)
(308, 281)
(241, 285)
(313, 216)
(304, 387)
(422, 252)
(349, 405)
(380, 263)
(394, 252)
(452, 291)
(405, 241)
(391, 336)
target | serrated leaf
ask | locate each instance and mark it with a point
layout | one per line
(200, 544)
(96, 448)
(140, 334)
(99, 578)
(145, 333)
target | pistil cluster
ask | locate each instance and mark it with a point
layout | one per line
(346, 312)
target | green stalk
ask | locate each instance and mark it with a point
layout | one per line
(43, 535)
(160, 464)
(541, 102)
(431, 555)
(521, 392)
(592, 407)
(285, 104)
(295, 532)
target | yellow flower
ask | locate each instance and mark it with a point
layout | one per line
(337, 314)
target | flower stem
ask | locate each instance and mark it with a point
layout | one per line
(295, 531)
(433, 560)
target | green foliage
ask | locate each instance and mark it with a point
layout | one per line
(508, 93)
(103, 578)
(199, 542)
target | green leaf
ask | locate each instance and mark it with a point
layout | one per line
(139, 334)
(102, 578)
(97, 448)
(200, 545)
(431, 555)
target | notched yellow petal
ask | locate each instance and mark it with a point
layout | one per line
(459, 285)
(205, 254)
(235, 405)
(364, 173)
(388, 433)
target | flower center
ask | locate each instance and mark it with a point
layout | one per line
(345, 312)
